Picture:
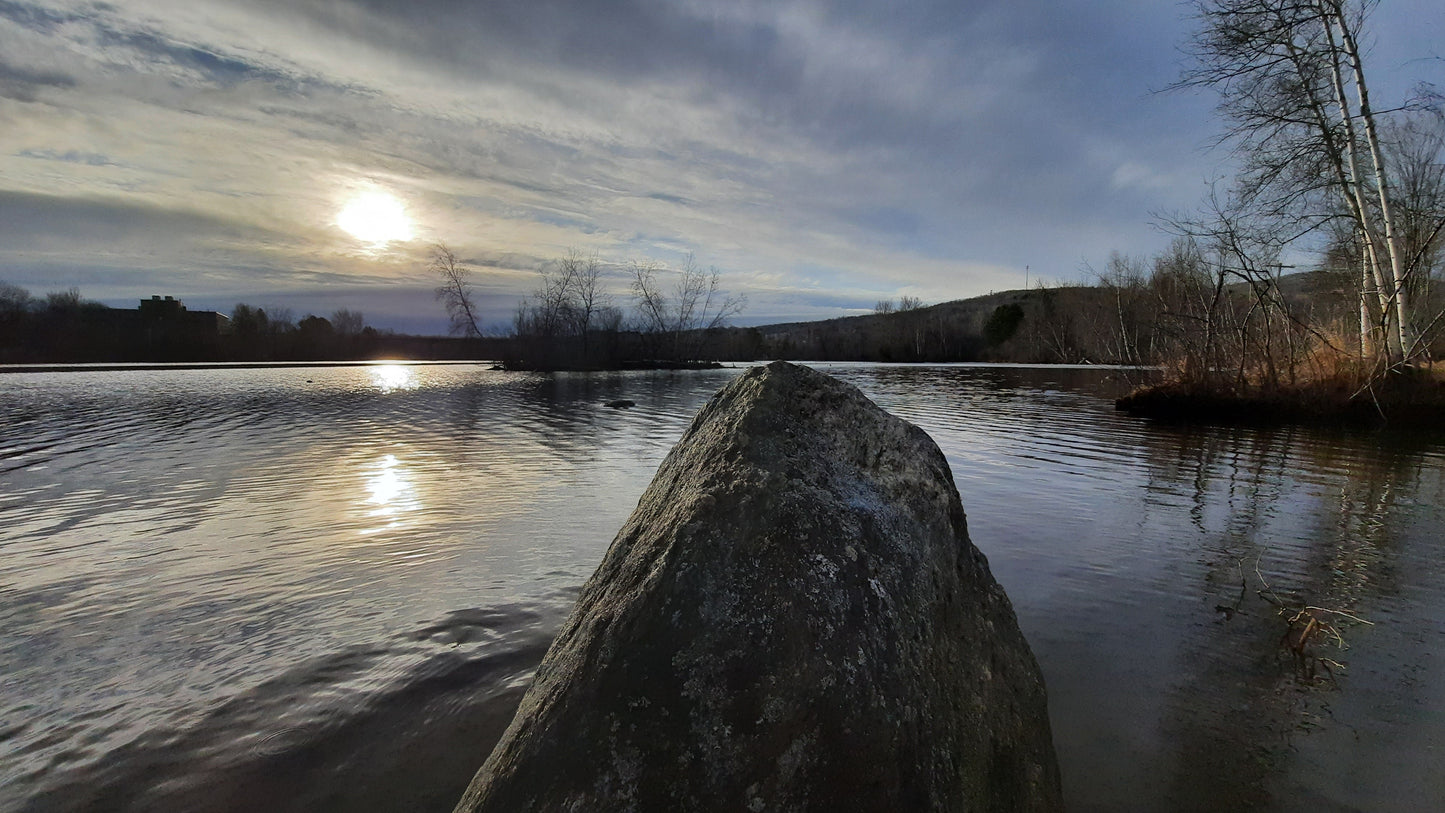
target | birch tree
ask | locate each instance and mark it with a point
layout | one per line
(1292, 82)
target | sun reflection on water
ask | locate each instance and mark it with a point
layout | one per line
(392, 492)
(393, 377)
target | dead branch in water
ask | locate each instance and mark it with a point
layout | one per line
(1307, 627)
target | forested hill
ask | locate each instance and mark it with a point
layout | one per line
(1101, 324)
(949, 331)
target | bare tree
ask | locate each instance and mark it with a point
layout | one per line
(884, 306)
(455, 291)
(1121, 331)
(280, 320)
(1053, 332)
(15, 306)
(583, 275)
(609, 319)
(1193, 321)
(555, 326)
(1415, 147)
(14, 300)
(652, 305)
(681, 318)
(348, 323)
(547, 314)
(909, 303)
(66, 300)
(557, 321)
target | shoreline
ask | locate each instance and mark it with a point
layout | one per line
(1416, 401)
(123, 366)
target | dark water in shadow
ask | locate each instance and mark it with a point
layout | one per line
(326, 588)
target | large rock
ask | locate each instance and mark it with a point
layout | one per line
(792, 619)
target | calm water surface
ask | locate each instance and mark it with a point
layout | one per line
(326, 588)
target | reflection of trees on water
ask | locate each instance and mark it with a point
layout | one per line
(998, 382)
(1314, 516)
(955, 397)
(520, 410)
(566, 414)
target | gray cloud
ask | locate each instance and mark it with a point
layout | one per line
(94, 159)
(33, 221)
(824, 155)
(22, 85)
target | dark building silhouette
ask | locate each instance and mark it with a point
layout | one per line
(157, 308)
(171, 313)
(165, 331)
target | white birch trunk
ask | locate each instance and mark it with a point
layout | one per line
(1354, 193)
(1366, 323)
(1399, 296)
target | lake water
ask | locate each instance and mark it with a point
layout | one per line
(325, 588)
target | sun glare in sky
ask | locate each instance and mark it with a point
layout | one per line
(375, 217)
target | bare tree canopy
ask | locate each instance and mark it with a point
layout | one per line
(348, 322)
(678, 318)
(569, 305)
(568, 300)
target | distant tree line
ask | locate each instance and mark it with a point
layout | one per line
(904, 303)
(255, 335)
(950, 331)
(64, 327)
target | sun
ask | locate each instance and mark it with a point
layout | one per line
(375, 217)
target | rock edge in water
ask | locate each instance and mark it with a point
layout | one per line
(793, 618)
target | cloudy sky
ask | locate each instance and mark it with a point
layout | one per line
(822, 155)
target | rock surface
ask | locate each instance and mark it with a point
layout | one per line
(793, 618)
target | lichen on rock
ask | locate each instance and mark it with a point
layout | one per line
(793, 618)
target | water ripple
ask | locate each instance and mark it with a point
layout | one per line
(233, 584)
